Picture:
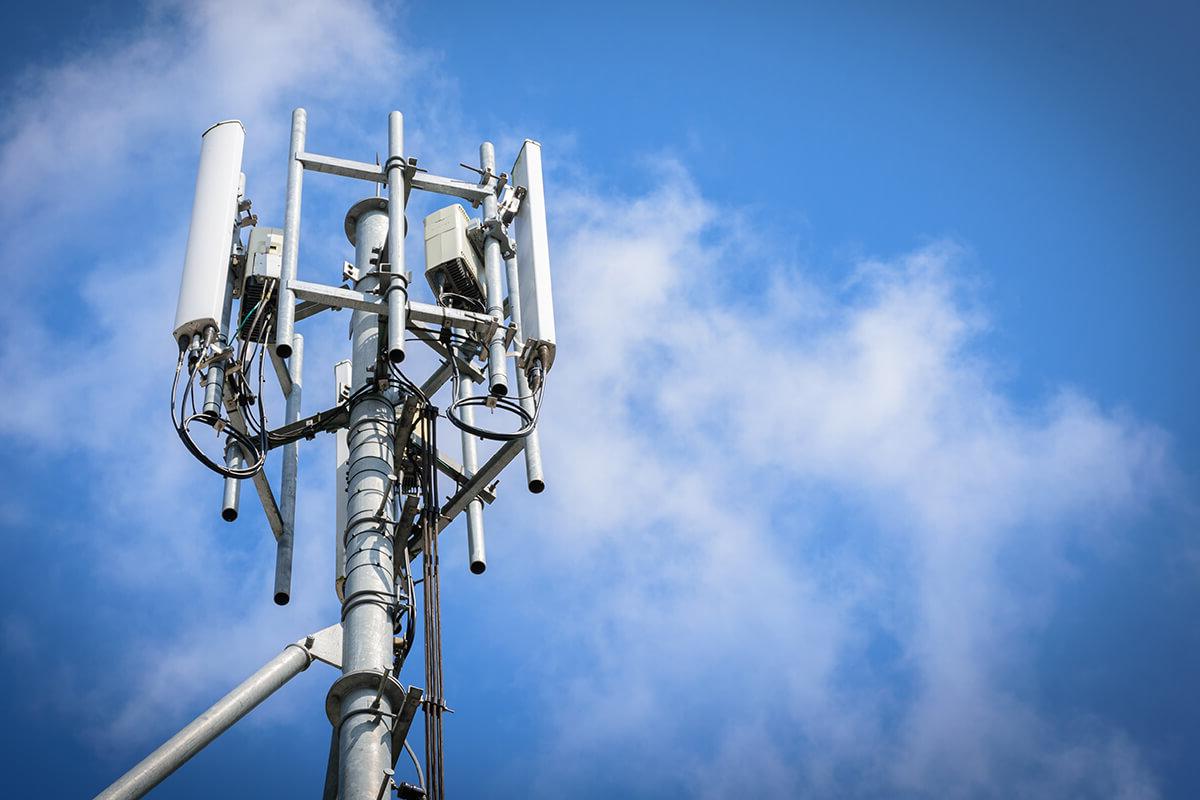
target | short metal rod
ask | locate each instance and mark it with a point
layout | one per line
(535, 479)
(233, 486)
(397, 287)
(285, 310)
(287, 483)
(176, 751)
(497, 357)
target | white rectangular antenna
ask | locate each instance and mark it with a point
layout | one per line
(210, 238)
(533, 250)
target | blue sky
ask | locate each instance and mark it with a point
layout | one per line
(871, 449)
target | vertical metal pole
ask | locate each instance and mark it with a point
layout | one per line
(497, 359)
(341, 450)
(397, 288)
(285, 312)
(233, 486)
(287, 482)
(364, 760)
(533, 446)
(476, 551)
(214, 394)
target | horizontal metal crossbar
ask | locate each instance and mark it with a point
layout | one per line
(483, 325)
(337, 297)
(424, 313)
(374, 173)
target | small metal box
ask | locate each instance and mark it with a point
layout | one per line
(264, 260)
(452, 264)
(264, 254)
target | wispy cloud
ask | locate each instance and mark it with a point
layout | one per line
(777, 484)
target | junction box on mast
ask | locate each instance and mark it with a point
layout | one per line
(452, 260)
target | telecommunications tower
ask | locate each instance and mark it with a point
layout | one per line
(491, 322)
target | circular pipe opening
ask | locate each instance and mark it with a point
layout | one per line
(229, 514)
(283, 350)
(282, 598)
(478, 567)
(537, 486)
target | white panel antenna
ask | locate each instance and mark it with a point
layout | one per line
(533, 251)
(210, 237)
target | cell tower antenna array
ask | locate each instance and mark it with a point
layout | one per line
(490, 281)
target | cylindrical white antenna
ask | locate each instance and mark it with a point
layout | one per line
(214, 209)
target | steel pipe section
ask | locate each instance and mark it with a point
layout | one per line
(497, 357)
(476, 548)
(535, 479)
(285, 309)
(233, 486)
(287, 484)
(364, 744)
(397, 287)
(176, 751)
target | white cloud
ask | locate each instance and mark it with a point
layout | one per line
(707, 414)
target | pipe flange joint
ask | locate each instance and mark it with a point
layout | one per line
(378, 682)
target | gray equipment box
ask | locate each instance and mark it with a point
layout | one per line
(452, 263)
